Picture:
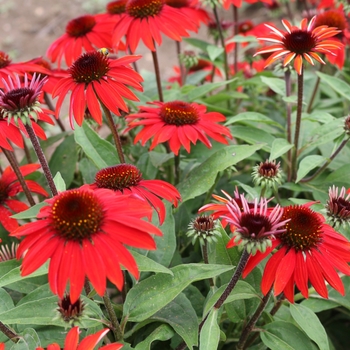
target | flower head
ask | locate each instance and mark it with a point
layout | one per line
(70, 312)
(238, 3)
(83, 233)
(93, 79)
(127, 179)
(301, 43)
(338, 207)
(82, 34)
(9, 188)
(254, 228)
(146, 19)
(178, 123)
(205, 228)
(308, 251)
(267, 174)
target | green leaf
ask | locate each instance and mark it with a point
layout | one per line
(210, 334)
(150, 295)
(284, 335)
(6, 301)
(64, 159)
(59, 182)
(308, 163)
(242, 39)
(254, 117)
(145, 264)
(341, 175)
(30, 213)
(199, 91)
(279, 147)
(14, 274)
(214, 51)
(180, 314)
(338, 85)
(275, 84)
(88, 170)
(201, 44)
(253, 135)
(242, 291)
(163, 333)
(29, 340)
(310, 324)
(101, 152)
(200, 179)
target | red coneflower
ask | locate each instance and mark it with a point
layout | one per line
(308, 251)
(178, 123)
(82, 34)
(83, 232)
(10, 69)
(146, 19)
(254, 228)
(9, 188)
(338, 207)
(300, 43)
(127, 178)
(95, 78)
(88, 343)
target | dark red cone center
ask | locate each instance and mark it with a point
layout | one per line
(299, 41)
(179, 113)
(144, 8)
(254, 224)
(80, 26)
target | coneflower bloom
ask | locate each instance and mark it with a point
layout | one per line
(191, 10)
(338, 207)
(255, 228)
(72, 342)
(301, 43)
(178, 123)
(83, 233)
(335, 18)
(127, 179)
(9, 188)
(93, 79)
(11, 69)
(146, 19)
(308, 251)
(82, 34)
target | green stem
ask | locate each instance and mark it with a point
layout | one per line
(177, 168)
(157, 72)
(298, 124)
(42, 159)
(15, 166)
(10, 334)
(325, 165)
(181, 66)
(235, 32)
(113, 318)
(252, 322)
(289, 120)
(222, 41)
(206, 259)
(114, 130)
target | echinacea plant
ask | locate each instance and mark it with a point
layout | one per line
(206, 210)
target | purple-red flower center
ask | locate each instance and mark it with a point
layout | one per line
(4, 60)
(18, 99)
(254, 224)
(304, 230)
(89, 66)
(116, 7)
(118, 177)
(68, 310)
(80, 26)
(299, 41)
(76, 215)
(179, 113)
(144, 8)
(245, 26)
(204, 223)
(177, 3)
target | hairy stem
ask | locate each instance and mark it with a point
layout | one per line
(115, 134)
(235, 32)
(113, 318)
(10, 334)
(289, 120)
(206, 259)
(252, 322)
(15, 166)
(42, 159)
(157, 72)
(298, 124)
